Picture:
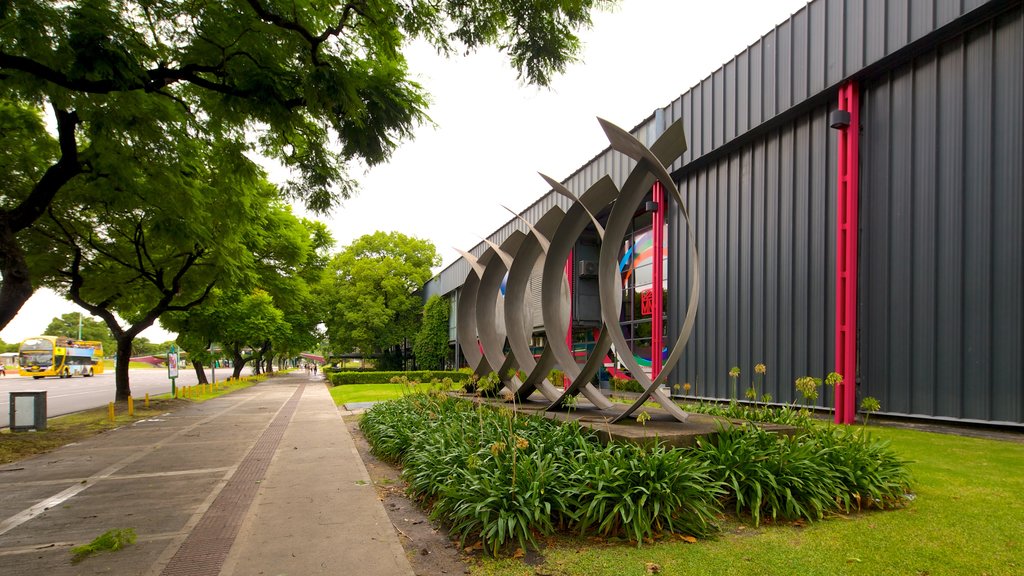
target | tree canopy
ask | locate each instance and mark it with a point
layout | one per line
(92, 328)
(371, 297)
(159, 84)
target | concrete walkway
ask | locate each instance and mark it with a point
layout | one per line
(266, 480)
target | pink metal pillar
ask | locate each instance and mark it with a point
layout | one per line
(846, 258)
(657, 279)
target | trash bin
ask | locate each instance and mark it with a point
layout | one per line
(28, 410)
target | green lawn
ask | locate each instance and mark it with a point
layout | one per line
(373, 392)
(967, 518)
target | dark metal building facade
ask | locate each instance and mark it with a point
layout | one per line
(940, 308)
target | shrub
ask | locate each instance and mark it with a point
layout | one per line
(626, 385)
(490, 474)
(818, 470)
(639, 492)
(353, 377)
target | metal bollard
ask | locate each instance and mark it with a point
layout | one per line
(110, 411)
(131, 406)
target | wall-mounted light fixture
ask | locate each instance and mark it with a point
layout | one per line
(839, 119)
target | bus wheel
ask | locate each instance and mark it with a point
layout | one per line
(67, 374)
(36, 377)
(88, 374)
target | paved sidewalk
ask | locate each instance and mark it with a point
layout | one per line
(262, 481)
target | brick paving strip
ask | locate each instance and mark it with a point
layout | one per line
(208, 544)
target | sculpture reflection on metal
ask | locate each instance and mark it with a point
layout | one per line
(487, 320)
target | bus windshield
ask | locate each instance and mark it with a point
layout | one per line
(36, 358)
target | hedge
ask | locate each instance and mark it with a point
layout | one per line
(425, 376)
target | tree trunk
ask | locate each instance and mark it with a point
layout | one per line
(16, 287)
(17, 283)
(124, 353)
(200, 372)
(237, 362)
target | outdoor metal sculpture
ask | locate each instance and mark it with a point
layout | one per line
(483, 314)
(556, 319)
(531, 254)
(650, 167)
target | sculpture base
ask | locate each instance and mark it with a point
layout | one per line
(661, 427)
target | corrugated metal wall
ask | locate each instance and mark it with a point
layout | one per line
(941, 309)
(763, 219)
(942, 269)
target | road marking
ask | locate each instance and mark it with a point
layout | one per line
(63, 481)
(38, 508)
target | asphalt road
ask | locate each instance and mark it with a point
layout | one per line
(79, 393)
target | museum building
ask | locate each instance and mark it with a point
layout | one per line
(855, 184)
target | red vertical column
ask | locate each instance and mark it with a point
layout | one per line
(846, 257)
(657, 279)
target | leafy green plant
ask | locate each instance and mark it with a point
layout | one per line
(626, 489)
(506, 479)
(488, 384)
(571, 403)
(379, 377)
(818, 470)
(109, 541)
(556, 378)
(734, 375)
(626, 385)
(869, 405)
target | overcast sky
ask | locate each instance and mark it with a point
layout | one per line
(492, 134)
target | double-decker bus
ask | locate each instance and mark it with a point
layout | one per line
(61, 356)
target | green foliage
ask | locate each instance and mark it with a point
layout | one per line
(786, 415)
(626, 385)
(489, 384)
(92, 329)
(640, 492)
(506, 479)
(169, 97)
(868, 405)
(431, 346)
(371, 291)
(363, 377)
(805, 475)
(808, 385)
(556, 378)
(109, 541)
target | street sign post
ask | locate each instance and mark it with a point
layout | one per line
(172, 368)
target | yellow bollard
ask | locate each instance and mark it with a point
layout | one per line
(131, 406)
(110, 411)
(147, 399)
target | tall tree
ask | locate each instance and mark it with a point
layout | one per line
(289, 256)
(431, 347)
(313, 85)
(132, 256)
(370, 294)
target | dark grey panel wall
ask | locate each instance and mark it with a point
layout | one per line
(826, 42)
(942, 269)
(763, 218)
